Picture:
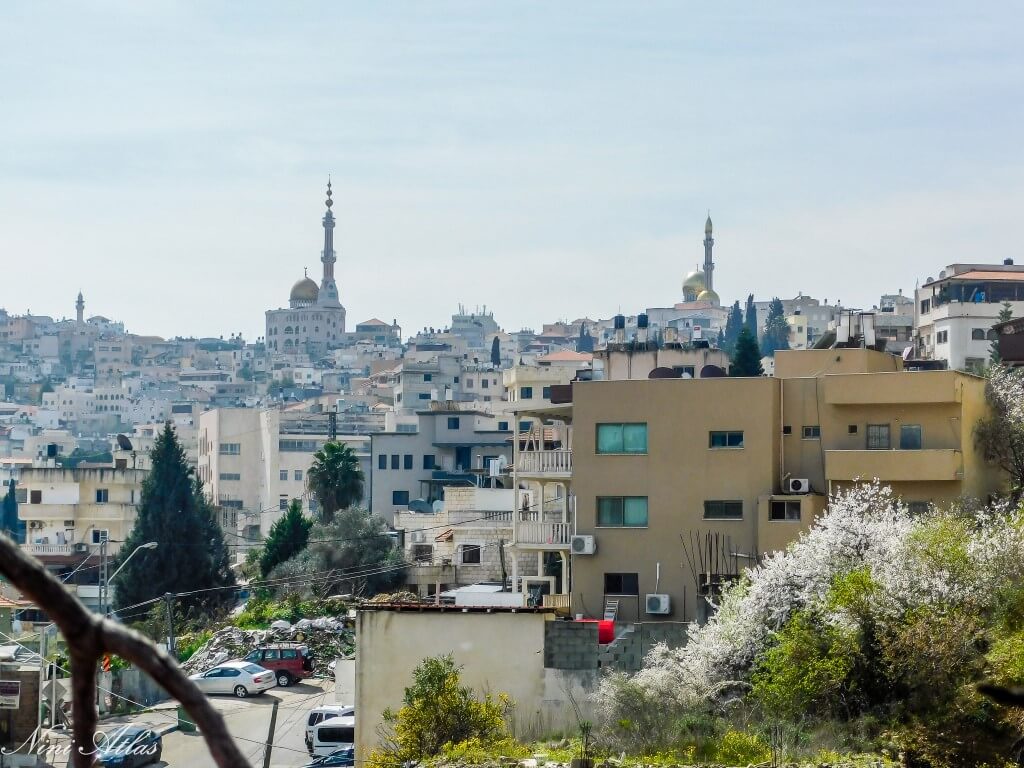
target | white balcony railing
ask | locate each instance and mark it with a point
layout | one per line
(49, 549)
(555, 535)
(555, 462)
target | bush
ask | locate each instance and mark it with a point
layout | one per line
(739, 748)
(439, 714)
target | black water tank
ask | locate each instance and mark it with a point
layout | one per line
(641, 321)
(619, 322)
(1007, 262)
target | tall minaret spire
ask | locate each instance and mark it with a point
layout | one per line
(709, 264)
(328, 288)
(80, 309)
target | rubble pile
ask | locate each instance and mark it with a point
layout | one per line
(328, 639)
(394, 597)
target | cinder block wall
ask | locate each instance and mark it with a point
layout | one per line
(570, 645)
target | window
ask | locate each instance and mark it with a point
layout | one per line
(422, 553)
(787, 430)
(484, 384)
(428, 377)
(382, 461)
(621, 584)
(230, 476)
(428, 461)
(395, 460)
(878, 437)
(283, 474)
(297, 474)
(725, 439)
(230, 449)
(469, 554)
(407, 461)
(546, 393)
(910, 437)
(102, 495)
(974, 364)
(977, 334)
(919, 507)
(851, 429)
(622, 438)
(100, 535)
(423, 396)
(525, 426)
(723, 510)
(942, 337)
(297, 446)
(525, 393)
(784, 510)
(400, 498)
(282, 504)
(453, 422)
(503, 426)
(622, 511)
(469, 383)
(992, 335)
(812, 432)
(926, 306)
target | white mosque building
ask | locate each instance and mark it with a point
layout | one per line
(315, 319)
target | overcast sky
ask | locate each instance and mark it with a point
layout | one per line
(550, 159)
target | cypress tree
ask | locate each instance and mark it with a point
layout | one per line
(287, 537)
(496, 353)
(776, 329)
(733, 324)
(9, 513)
(750, 317)
(746, 359)
(191, 554)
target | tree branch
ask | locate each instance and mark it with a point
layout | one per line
(89, 636)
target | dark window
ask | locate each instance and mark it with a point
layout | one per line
(725, 439)
(503, 426)
(469, 554)
(918, 507)
(282, 505)
(787, 430)
(622, 511)
(102, 495)
(942, 337)
(422, 553)
(453, 422)
(484, 384)
(525, 393)
(992, 335)
(400, 498)
(546, 393)
(35, 497)
(428, 461)
(622, 438)
(784, 510)
(851, 429)
(621, 584)
(926, 306)
(978, 334)
(428, 377)
(289, 653)
(382, 461)
(723, 510)
(395, 461)
(525, 426)
(423, 395)
(407, 461)
(812, 432)
(910, 437)
(878, 437)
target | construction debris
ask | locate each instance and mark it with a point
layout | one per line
(395, 598)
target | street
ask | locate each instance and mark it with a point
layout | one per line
(247, 719)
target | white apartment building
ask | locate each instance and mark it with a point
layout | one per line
(255, 461)
(955, 313)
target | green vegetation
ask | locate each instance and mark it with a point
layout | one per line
(335, 479)
(746, 358)
(288, 536)
(776, 329)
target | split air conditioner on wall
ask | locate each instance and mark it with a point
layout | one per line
(798, 485)
(658, 604)
(582, 545)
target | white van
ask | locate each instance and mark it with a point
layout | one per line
(318, 715)
(333, 734)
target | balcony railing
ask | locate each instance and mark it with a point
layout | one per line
(554, 535)
(545, 462)
(559, 602)
(49, 549)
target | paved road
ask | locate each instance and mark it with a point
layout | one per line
(249, 722)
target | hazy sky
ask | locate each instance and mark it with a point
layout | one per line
(549, 160)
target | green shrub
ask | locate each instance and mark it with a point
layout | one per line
(475, 751)
(188, 644)
(740, 748)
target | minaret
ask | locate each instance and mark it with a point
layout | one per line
(709, 265)
(80, 309)
(328, 288)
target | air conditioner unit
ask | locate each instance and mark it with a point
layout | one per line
(81, 548)
(582, 545)
(798, 485)
(658, 604)
(418, 537)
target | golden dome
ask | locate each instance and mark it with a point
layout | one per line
(304, 291)
(709, 296)
(694, 281)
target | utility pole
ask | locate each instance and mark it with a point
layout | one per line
(169, 597)
(103, 576)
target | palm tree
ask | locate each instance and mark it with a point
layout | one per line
(335, 479)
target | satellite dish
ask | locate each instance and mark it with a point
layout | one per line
(711, 372)
(124, 443)
(438, 507)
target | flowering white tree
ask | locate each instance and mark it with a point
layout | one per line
(1000, 435)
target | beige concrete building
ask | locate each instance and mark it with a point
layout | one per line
(658, 471)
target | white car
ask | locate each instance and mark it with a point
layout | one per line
(318, 715)
(236, 677)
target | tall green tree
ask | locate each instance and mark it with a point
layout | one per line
(733, 324)
(9, 513)
(191, 554)
(287, 537)
(776, 329)
(585, 342)
(496, 352)
(750, 317)
(335, 479)
(1006, 313)
(746, 359)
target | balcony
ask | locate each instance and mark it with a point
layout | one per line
(559, 602)
(49, 549)
(540, 535)
(556, 463)
(894, 465)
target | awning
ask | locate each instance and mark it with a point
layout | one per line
(446, 536)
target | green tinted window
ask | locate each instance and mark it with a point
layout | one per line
(622, 438)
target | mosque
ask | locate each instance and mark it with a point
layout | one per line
(315, 319)
(698, 286)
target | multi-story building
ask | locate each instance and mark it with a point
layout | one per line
(671, 489)
(956, 312)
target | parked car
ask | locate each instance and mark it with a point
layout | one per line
(344, 757)
(333, 734)
(128, 746)
(289, 661)
(238, 677)
(318, 715)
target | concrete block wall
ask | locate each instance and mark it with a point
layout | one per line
(624, 653)
(570, 645)
(672, 633)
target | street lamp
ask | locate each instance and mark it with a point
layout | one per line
(147, 545)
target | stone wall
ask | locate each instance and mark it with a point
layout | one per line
(570, 645)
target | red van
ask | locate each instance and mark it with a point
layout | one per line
(289, 661)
